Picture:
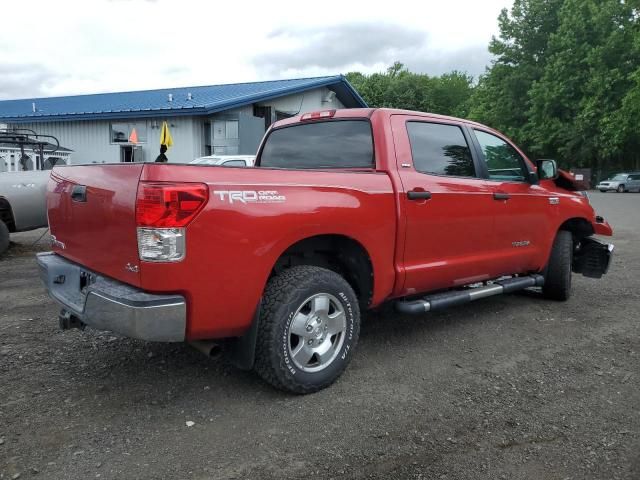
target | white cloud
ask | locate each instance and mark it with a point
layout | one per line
(68, 47)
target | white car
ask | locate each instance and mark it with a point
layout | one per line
(226, 160)
(621, 182)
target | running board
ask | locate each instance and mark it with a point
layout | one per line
(440, 301)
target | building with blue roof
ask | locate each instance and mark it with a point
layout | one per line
(203, 120)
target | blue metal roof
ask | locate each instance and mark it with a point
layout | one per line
(204, 100)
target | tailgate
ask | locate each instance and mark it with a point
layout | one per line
(91, 212)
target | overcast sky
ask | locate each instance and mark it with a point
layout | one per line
(65, 47)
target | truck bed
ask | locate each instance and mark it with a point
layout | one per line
(252, 216)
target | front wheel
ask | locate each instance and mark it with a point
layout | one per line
(620, 189)
(308, 330)
(557, 275)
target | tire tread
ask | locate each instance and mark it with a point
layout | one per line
(557, 282)
(4, 237)
(280, 291)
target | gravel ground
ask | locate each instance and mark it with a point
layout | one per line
(509, 387)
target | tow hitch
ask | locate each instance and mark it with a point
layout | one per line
(68, 321)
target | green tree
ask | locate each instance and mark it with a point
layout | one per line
(565, 82)
(501, 98)
(448, 94)
(577, 107)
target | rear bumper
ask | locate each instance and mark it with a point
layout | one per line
(107, 304)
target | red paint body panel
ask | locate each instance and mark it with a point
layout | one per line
(232, 248)
(448, 238)
(101, 232)
(602, 228)
(461, 235)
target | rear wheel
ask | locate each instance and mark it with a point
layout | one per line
(4, 237)
(620, 189)
(308, 330)
(557, 276)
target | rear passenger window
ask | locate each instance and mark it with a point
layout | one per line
(440, 149)
(503, 161)
(333, 144)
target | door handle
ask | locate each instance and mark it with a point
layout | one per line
(79, 193)
(501, 196)
(418, 195)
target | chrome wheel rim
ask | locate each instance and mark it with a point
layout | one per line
(316, 332)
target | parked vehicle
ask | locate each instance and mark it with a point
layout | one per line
(345, 210)
(22, 203)
(24, 154)
(226, 160)
(621, 182)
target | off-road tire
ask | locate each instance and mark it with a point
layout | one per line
(557, 276)
(620, 189)
(4, 237)
(284, 295)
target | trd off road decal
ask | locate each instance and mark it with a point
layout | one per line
(250, 196)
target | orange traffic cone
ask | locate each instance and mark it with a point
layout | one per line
(133, 138)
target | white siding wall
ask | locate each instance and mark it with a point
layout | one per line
(90, 140)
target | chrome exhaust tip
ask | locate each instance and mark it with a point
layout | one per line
(209, 348)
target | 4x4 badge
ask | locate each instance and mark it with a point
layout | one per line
(132, 268)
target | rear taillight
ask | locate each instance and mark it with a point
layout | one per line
(163, 210)
(169, 204)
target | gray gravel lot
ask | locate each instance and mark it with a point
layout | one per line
(509, 387)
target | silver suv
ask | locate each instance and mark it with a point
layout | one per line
(621, 182)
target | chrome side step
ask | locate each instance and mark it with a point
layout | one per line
(440, 301)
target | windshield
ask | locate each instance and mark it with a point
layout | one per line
(618, 177)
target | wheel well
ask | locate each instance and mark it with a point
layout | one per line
(579, 227)
(6, 214)
(339, 253)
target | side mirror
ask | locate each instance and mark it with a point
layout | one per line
(547, 169)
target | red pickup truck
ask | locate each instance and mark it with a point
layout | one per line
(344, 210)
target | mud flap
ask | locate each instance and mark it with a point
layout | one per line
(241, 351)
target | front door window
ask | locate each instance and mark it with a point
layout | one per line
(503, 161)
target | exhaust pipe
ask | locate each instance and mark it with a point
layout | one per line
(209, 348)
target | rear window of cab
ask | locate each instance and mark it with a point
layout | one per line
(318, 145)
